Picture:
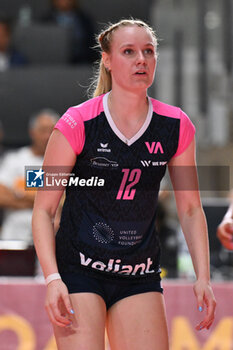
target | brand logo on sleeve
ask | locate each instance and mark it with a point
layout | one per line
(69, 120)
(154, 147)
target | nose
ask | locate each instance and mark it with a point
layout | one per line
(140, 57)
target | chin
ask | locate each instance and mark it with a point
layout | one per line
(142, 83)
(135, 86)
(141, 86)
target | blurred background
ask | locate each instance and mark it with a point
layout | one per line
(47, 60)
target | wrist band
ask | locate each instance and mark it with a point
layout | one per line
(52, 277)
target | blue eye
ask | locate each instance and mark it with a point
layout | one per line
(149, 52)
(128, 51)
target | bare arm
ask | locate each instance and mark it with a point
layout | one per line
(183, 175)
(58, 153)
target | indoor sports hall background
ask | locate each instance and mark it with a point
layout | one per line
(46, 70)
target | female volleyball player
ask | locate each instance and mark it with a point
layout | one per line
(105, 268)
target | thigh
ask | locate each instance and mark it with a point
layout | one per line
(88, 324)
(138, 322)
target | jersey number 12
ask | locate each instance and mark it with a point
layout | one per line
(130, 178)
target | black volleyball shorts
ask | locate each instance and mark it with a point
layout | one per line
(110, 290)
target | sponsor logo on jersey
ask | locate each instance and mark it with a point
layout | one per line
(115, 266)
(102, 162)
(102, 232)
(104, 145)
(103, 148)
(147, 163)
(154, 147)
(34, 178)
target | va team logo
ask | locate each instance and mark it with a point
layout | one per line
(34, 178)
(154, 147)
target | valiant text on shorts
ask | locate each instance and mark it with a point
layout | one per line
(114, 266)
(74, 181)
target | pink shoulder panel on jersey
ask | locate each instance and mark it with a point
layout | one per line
(71, 124)
(187, 129)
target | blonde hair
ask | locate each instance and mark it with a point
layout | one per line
(102, 82)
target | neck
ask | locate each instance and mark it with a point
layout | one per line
(128, 111)
(127, 105)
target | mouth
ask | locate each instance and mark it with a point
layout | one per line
(140, 72)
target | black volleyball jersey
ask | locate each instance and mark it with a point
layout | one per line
(107, 225)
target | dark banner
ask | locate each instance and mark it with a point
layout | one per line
(144, 178)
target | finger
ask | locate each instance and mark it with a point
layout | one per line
(204, 325)
(228, 244)
(209, 318)
(200, 302)
(223, 234)
(199, 296)
(229, 227)
(211, 305)
(67, 303)
(57, 315)
(52, 318)
(200, 326)
(209, 324)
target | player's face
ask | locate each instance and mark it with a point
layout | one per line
(132, 60)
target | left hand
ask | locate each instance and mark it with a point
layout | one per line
(205, 299)
(225, 233)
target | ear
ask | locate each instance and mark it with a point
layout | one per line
(106, 60)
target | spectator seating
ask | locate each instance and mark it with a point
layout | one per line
(43, 44)
(101, 11)
(48, 81)
(26, 90)
(12, 8)
(104, 11)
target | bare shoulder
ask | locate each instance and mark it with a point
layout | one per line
(59, 150)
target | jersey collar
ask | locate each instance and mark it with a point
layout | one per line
(116, 131)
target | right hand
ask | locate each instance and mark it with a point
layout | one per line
(205, 298)
(58, 304)
(225, 233)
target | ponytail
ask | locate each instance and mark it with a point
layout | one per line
(104, 80)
